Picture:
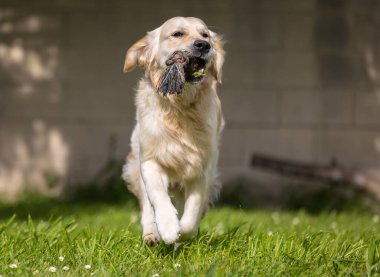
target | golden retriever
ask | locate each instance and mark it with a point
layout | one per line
(172, 166)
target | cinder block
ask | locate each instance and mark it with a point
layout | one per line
(87, 4)
(285, 70)
(238, 70)
(367, 109)
(265, 6)
(228, 174)
(331, 32)
(215, 13)
(255, 7)
(247, 108)
(111, 71)
(91, 30)
(364, 34)
(355, 148)
(332, 5)
(337, 108)
(299, 6)
(30, 152)
(232, 147)
(95, 53)
(257, 32)
(304, 108)
(30, 21)
(80, 66)
(251, 178)
(92, 145)
(366, 9)
(298, 31)
(301, 108)
(337, 71)
(255, 186)
(100, 104)
(42, 101)
(297, 144)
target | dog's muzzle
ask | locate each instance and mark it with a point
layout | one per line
(182, 67)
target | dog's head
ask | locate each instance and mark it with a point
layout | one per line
(177, 34)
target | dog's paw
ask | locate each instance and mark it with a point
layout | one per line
(188, 231)
(151, 240)
(168, 227)
(170, 234)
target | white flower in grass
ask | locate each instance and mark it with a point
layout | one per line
(1, 275)
(13, 265)
(36, 272)
(296, 221)
(375, 218)
(65, 268)
(87, 266)
(177, 265)
(61, 258)
(270, 233)
(52, 269)
(155, 275)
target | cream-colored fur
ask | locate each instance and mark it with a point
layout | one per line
(172, 167)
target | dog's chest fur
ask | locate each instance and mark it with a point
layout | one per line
(182, 133)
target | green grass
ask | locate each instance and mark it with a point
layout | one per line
(231, 242)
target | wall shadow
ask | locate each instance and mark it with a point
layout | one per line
(34, 152)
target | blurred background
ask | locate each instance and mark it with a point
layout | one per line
(301, 83)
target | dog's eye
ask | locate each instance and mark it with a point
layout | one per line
(178, 34)
(205, 35)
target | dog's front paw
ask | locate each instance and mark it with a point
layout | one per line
(151, 239)
(168, 227)
(170, 234)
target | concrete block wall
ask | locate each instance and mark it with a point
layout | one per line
(301, 80)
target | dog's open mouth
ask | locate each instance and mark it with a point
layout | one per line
(195, 70)
(181, 67)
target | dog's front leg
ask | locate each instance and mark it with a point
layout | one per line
(193, 210)
(156, 184)
(148, 221)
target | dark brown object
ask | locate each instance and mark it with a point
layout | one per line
(172, 81)
(332, 173)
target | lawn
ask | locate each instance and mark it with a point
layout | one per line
(103, 239)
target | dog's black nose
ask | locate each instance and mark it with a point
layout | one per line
(202, 46)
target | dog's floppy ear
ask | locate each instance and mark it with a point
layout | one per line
(142, 52)
(136, 54)
(217, 62)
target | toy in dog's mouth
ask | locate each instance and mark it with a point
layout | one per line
(195, 70)
(181, 67)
